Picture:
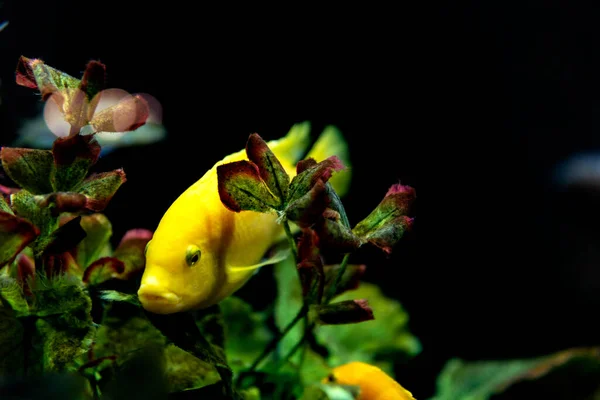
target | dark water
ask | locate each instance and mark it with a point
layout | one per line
(470, 105)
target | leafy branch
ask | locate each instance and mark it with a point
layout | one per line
(261, 184)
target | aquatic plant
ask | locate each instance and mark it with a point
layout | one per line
(71, 325)
(68, 298)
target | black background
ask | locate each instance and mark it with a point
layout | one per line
(471, 104)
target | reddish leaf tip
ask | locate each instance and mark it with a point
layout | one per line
(305, 164)
(135, 234)
(401, 189)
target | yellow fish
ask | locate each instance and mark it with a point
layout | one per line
(374, 383)
(201, 252)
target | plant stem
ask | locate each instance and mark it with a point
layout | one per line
(297, 346)
(302, 313)
(273, 343)
(290, 238)
(333, 288)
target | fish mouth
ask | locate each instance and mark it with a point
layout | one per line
(158, 300)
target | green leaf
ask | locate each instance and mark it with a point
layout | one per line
(386, 225)
(4, 205)
(12, 296)
(181, 330)
(246, 332)
(103, 269)
(69, 93)
(376, 342)
(113, 295)
(34, 73)
(29, 168)
(306, 210)
(270, 169)
(64, 329)
(185, 372)
(26, 206)
(125, 329)
(64, 295)
(572, 374)
(73, 157)
(342, 312)
(59, 342)
(311, 172)
(335, 236)
(15, 234)
(100, 188)
(98, 230)
(241, 188)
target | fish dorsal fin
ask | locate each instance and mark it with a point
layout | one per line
(292, 146)
(278, 256)
(331, 142)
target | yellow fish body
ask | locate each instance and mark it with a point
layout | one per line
(201, 252)
(374, 383)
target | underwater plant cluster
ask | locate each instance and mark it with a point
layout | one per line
(72, 324)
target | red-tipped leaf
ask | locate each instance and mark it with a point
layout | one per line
(99, 189)
(307, 209)
(73, 157)
(29, 168)
(241, 188)
(270, 169)
(311, 174)
(131, 251)
(102, 270)
(386, 225)
(15, 234)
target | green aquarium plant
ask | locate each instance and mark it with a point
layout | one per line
(69, 310)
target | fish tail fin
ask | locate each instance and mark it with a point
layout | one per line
(331, 142)
(293, 145)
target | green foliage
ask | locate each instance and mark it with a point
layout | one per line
(246, 332)
(68, 299)
(379, 341)
(15, 234)
(29, 168)
(572, 374)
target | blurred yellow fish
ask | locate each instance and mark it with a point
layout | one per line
(374, 383)
(202, 252)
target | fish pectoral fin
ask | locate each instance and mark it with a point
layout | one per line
(279, 256)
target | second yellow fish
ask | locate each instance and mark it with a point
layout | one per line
(201, 252)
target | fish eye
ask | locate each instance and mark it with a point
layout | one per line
(331, 378)
(192, 255)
